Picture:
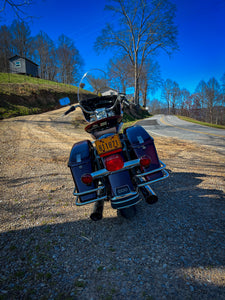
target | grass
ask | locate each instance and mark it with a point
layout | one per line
(200, 122)
(17, 110)
(25, 95)
(23, 85)
(17, 79)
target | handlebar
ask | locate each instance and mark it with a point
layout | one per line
(72, 108)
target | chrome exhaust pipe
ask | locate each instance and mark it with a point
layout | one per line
(149, 195)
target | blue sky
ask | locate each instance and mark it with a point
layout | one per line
(201, 26)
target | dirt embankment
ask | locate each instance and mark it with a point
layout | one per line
(50, 248)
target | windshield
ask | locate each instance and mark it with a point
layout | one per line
(93, 84)
(96, 98)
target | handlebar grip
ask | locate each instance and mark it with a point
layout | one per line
(72, 108)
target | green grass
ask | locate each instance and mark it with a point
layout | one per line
(25, 85)
(25, 95)
(18, 110)
(201, 123)
(16, 78)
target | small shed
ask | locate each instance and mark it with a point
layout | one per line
(22, 65)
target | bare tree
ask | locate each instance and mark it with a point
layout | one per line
(69, 60)
(5, 48)
(46, 56)
(150, 79)
(120, 73)
(167, 93)
(184, 97)
(97, 83)
(17, 6)
(213, 97)
(142, 28)
(155, 106)
(175, 92)
(21, 39)
(223, 87)
(201, 94)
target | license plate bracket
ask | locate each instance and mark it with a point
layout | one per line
(108, 144)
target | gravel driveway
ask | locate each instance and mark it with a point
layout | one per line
(50, 249)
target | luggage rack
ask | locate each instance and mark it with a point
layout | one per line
(127, 165)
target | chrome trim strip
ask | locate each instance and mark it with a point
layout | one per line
(126, 200)
(127, 165)
(90, 201)
(88, 192)
(124, 195)
(152, 171)
(155, 180)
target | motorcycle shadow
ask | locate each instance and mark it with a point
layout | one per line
(172, 248)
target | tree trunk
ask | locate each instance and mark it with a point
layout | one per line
(136, 81)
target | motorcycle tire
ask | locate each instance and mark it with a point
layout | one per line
(128, 212)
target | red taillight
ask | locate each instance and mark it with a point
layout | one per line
(86, 179)
(145, 161)
(114, 162)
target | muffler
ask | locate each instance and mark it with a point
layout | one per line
(149, 195)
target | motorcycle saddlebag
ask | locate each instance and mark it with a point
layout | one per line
(141, 143)
(80, 163)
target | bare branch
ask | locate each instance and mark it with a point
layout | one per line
(18, 7)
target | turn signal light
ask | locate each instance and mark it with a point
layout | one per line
(114, 162)
(86, 179)
(145, 161)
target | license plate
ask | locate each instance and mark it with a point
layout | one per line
(108, 144)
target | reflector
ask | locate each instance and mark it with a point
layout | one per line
(114, 162)
(86, 179)
(145, 161)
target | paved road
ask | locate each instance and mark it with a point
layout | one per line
(171, 126)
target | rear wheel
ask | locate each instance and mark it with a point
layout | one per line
(128, 212)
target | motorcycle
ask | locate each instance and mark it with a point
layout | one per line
(117, 166)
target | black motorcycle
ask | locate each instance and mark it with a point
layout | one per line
(118, 166)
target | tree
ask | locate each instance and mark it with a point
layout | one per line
(6, 50)
(143, 27)
(150, 79)
(184, 98)
(120, 73)
(175, 93)
(46, 56)
(213, 95)
(171, 93)
(155, 106)
(97, 83)
(200, 92)
(21, 39)
(18, 7)
(209, 95)
(167, 92)
(223, 87)
(69, 60)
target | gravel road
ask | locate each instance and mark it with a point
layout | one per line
(50, 249)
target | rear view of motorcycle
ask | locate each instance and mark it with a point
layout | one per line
(117, 166)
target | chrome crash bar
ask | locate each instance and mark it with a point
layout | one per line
(127, 165)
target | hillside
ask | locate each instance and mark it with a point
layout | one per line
(24, 95)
